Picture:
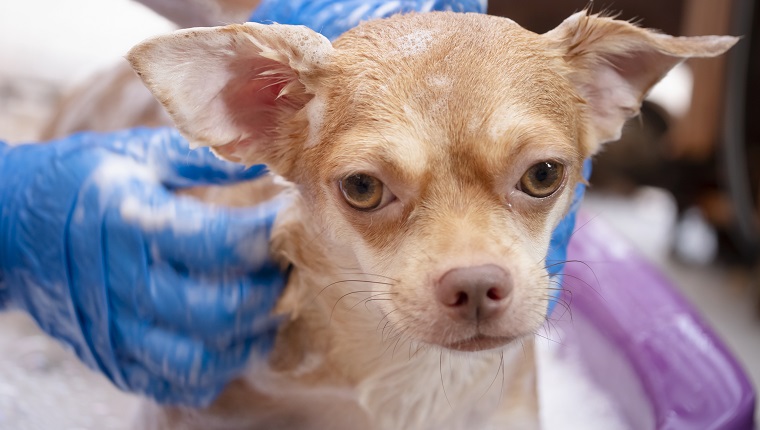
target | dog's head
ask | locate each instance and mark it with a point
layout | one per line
(440, 149)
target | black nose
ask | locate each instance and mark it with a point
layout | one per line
(474, 293)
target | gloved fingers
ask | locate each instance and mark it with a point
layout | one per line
(200, 238)
(180, 360)
(169, 154)
(202, 167)
(219, 310)
(142, 379)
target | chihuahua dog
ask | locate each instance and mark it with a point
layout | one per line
(429, 158)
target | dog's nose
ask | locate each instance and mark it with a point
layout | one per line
(474, 293)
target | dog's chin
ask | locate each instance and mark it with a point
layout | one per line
(479, 342)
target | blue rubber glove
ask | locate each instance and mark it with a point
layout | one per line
(164, 295)
(555, 259)
(334, 17)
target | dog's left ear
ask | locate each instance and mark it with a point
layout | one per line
(614, 64)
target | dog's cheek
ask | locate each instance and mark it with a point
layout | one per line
(533, 224)
(344, 236)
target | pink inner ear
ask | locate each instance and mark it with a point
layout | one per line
(257, 96)
(642, 69)
(617, 87)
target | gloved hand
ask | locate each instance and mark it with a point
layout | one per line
(334, 17)
(164, 295)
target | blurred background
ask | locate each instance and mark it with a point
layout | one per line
(682, 184)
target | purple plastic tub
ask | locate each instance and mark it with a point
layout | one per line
(644, 345)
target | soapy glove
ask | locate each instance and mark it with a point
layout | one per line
(334, 17)
(166, 296)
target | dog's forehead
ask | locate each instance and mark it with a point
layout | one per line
(473, 81)
(439, 50)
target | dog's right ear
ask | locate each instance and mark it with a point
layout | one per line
(231, 88)
(614, 64)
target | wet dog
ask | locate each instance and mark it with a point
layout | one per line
(429, 158)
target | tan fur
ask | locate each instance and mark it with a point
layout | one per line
(238, 195)
(448, 111)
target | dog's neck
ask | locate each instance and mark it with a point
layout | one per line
(335, 335)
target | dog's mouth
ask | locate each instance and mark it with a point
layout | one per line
(479, 342)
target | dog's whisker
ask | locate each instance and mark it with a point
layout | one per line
(522, 344)
(581, 280)
(332, 311)
(547, 338)
(557, 300)
(361, 281)
(496, 375)
(561, 302)
(393, 330)
(371, 298)
(382, 333)
(550, 325)
(587, 266)
(385, 316)
(443, 386)
(420, 347)
(504, 376)
(577, 229)
(552, 292)
(400, 337)
(556, 330)
(366, 302)
(546, 330)
(316, 236)
(389, 341)
(370, 274)
(395, 327)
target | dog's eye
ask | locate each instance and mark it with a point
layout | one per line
(362, 192)
(542, 179)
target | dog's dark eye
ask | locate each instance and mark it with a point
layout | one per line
(362, 192)
(542, 179)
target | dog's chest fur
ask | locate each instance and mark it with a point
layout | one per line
(338, 337)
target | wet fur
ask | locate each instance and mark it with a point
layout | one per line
(449, 111)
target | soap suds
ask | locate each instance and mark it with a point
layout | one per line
(118, 170)
(154, 218)
(315, 113)
(43, 386)
(506, 118)
(36, 374)
(414, 43)
(568, 397)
